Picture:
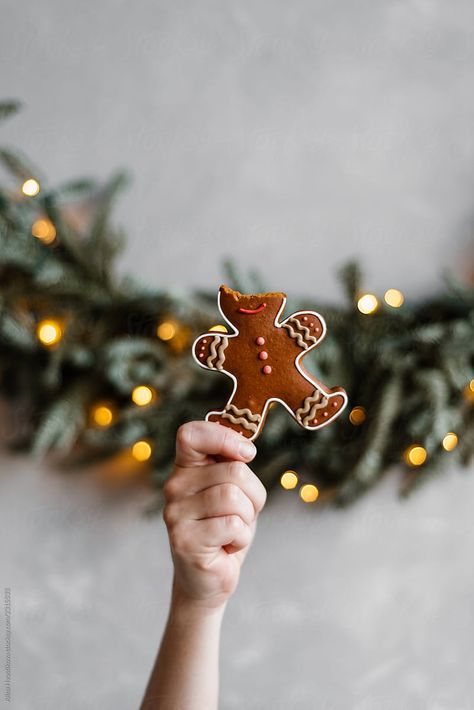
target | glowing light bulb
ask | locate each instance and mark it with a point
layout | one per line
(469, 391)
(309, 493)
(415, 455)
(450, 441)
(368, 304)
(143, 395)
(30, 187)
(49, 332)
(357, 416)
(102, 415)
(394, 298)
(166, 331)
(44, 230)
(218, 329)
(141, 451)
(289, 480)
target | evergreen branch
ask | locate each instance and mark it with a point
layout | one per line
(8, 108)
(411, 369)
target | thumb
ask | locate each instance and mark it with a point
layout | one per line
(197, 442)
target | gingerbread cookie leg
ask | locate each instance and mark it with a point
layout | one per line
(240, 415)
(314, 406)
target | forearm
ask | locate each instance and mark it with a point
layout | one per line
(186, 671)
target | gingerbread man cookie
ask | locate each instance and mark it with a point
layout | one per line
(263, 358)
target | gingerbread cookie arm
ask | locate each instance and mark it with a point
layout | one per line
(211, 351)
(306, 328)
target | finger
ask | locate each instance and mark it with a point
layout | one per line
(222, 499)
(196, 442)
(188, 482)
(242, 551)
(224, 530)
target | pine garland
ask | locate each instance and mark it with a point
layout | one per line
(409, 371)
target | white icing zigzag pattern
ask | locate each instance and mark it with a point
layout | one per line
(310, 406)
(217, 352)
(301, 334)
(242, 416)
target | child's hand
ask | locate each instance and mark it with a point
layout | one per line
(212, 503)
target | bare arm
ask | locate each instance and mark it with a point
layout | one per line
(212, 503)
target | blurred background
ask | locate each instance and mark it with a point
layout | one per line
(289, 137)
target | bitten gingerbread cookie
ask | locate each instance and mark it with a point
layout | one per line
(263, 358)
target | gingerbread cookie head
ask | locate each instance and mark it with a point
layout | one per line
(262, 357)
(236, 307)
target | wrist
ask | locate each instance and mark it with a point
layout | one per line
(191, 609)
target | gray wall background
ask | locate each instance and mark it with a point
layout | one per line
(292, 136)
(288, 135)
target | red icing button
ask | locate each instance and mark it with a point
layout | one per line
(260, 340)
(266, 370)
(263, 355)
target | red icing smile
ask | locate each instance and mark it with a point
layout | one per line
(251, 311)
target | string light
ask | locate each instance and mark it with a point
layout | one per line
(394, 298)
(166, 330)
(368, 304)
(143, 395)
(181, 339)
(30, 187)
(309, 493)
(450, 441)
(44, 230)
(102, 415)
(415, 455)
(469, 391)
(218, 329)
(357, 416)
(141, 451)
(289, 480)
(49, 332)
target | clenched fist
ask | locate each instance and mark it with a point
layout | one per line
(212, 502)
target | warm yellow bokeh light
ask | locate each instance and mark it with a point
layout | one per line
(450, 441)
(357, 416)
(141, 450)
(469, 391)
(368, 303)
(218, 329)
(44, 230)
(143, 395)
(166, 331)
(309, 493)
(393, 297)
(415, 455)
(289, 480)
(30, 187)
(102, 415)
(49, 332)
